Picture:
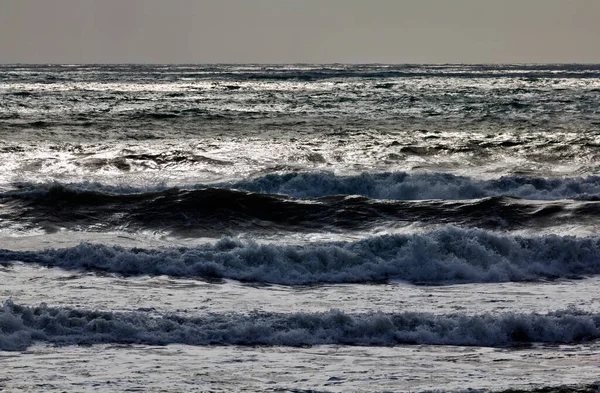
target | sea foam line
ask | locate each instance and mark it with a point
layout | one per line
(22, 326)
(444, 256)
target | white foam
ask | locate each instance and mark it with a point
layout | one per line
(21, 326)
(443, 256)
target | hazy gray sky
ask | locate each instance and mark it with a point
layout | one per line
(308, 31)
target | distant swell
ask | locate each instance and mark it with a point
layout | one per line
(214, 212)
(450, 255)
(21, 326)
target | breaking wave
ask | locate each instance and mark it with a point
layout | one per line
(405, 186)
(445, 256)
(21, 326)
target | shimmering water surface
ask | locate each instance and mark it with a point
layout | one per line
(300, 228)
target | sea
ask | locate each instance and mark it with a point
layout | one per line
(300, 228)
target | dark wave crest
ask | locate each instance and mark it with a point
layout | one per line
(450, 255)
(21, 326)
(214, 212)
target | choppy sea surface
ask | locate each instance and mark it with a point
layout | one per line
(300, 228)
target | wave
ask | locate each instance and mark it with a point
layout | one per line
(203, 212)
(577, 388)
(405, 186)
(21, 326)
(445, 256)
(213, 212)
(384, 185)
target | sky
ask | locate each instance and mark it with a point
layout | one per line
(299, 31)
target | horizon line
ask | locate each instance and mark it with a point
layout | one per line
(299, 63)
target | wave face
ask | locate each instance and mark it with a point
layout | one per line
(405, 186)
(214, 212)
(21, 326)
(450, 255)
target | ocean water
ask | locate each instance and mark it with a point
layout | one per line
(300, 228)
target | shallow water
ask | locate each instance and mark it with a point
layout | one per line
(177, 368)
